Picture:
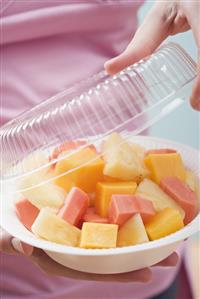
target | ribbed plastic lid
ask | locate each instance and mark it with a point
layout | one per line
(132, 100)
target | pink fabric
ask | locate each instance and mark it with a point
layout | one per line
(47, 46)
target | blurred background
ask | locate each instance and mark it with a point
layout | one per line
(183, 124)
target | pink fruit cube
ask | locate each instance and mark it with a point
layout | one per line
(26, 212)
(161, 151)
(91, 216)
(182, 194)
(121, 208)
(75, 206)
(144, 207)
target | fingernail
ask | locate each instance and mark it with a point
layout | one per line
(21, 247)
(195, 104)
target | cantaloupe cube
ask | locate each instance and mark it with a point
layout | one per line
(182, 194)
(76, 204)
(121, 208)
(122, 161)
(164, 223)
(52, 228)
(104, 191)
(165, 165)
(91, 216)
(151, 191)
(68, 145)
(132, 232)
(98, 235)
(26, 212)
(89, 170)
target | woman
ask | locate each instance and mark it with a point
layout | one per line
(47, 46)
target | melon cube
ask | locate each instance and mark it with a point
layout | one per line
(26, 212)
(182, 194)
(132, 232)
(98, 235)
(121, 208)
(86, 170)
(105, 190)
(164, 223)
(122, 161)
(151, 191)
(52, 228)
(165, 165)
(76, 204)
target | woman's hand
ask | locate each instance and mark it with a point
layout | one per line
(164, 19)
(11, 245)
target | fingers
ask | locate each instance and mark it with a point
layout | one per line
(170, 261)
(194, 20)
(155, 28)
(50, 267)
(11, 245)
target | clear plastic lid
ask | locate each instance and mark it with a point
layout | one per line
(131, 100)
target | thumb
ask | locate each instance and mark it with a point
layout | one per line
(148, 37)
(11, 245)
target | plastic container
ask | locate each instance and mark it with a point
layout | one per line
(128, 103)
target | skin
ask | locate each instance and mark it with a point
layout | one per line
(48, 266)
(164, 19)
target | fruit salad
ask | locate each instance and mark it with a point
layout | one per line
(120, 194)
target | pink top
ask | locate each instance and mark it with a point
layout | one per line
(46, 46)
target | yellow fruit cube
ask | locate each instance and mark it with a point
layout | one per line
(98, 235)
(89, 170)
(105, 190)
(122, 160)
(165, 165)
(52, 228)
(132, 232)
(164, 223)
(151, 191)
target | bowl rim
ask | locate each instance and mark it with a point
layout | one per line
(192, 228)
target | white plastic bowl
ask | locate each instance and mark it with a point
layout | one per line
(105, 261)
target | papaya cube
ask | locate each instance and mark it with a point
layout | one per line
(105, 190)
(91, 216)
(86, 170)
(26, 212)
(165, 165)
(76, 204)
(98, 235)
(182, 194)
(121, 208)
(164, 223)
(52, 228)
(132, 232)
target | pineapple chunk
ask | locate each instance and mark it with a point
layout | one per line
(36, 160)
(122, 160)
(44, 195)
(164, 223)
(151, 191)
(132, 232)
(193, 182)
(98, 235)
(52, 228)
